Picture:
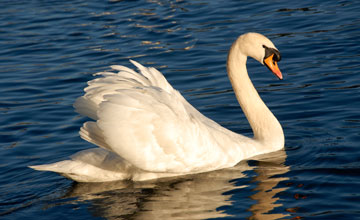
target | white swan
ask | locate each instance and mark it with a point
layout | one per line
(146, 129)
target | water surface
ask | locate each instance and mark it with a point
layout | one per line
(50, 49)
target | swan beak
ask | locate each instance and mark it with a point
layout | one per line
(272, 65)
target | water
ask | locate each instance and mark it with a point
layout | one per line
(50, 49)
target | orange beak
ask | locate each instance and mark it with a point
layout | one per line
(272, 65)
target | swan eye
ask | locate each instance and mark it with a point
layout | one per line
(271, 51)
(277, 56)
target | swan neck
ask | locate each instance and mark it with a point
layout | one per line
(266, 128)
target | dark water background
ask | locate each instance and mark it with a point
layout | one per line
(50, 49)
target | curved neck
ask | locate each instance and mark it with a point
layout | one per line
(266, 128)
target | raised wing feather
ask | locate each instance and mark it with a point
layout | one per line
(145, 121)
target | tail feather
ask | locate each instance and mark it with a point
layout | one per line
(92, 165)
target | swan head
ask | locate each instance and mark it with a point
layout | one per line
(261, 49)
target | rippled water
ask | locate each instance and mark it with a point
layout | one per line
(50, 49)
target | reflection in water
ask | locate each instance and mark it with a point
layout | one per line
(197, 196)
(267, 179)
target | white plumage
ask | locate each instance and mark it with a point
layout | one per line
(146, 129)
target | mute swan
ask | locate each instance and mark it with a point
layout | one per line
(146, 129)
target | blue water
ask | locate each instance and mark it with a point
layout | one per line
(50, 49)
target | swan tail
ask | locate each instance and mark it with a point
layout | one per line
(92, 165)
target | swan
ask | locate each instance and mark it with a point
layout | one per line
(145, 129)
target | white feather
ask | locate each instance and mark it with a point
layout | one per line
(146, 129)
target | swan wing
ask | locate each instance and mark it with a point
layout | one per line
(141, 118)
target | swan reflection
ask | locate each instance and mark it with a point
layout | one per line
(200, 196)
